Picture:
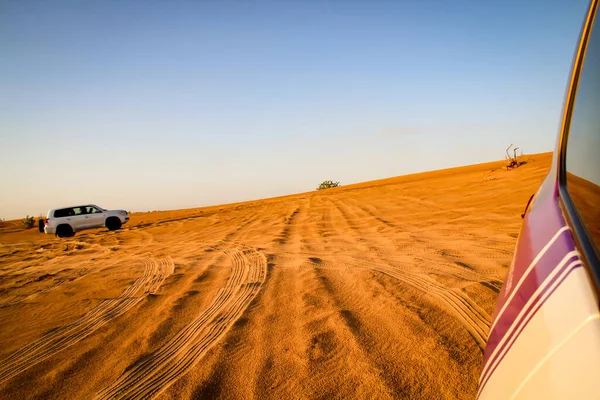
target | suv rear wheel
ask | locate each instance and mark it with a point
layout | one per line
(113, 223)
(63, 231)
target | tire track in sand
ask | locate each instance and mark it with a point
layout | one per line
(474, 318)
(155, 272)
(186, 348)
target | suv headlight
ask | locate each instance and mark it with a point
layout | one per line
(123, 212)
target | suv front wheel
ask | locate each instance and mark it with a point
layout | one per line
(113, 223)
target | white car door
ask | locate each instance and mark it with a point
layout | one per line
(78, 220)
(94, 217)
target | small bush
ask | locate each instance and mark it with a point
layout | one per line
(28, 222)
(327, 185)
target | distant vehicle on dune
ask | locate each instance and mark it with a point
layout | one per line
(64, 222)
(544, 342)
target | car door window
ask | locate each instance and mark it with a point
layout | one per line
(80, 210)
(583, 143)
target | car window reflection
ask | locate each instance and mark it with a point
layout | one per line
(583, 146)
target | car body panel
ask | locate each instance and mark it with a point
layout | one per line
(544, 341)
(546, 297)
(565, 327)
(94, 218)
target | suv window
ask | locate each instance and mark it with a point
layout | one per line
(583, 146)
(81, 210)
(63, 212)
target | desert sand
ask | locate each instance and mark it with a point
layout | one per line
(383, 289)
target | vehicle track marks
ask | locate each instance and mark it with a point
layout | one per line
(155, 272)
(474, 318)
(186, 348)
(470, 315)
(288, 222)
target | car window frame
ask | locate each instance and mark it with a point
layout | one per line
(583, 239)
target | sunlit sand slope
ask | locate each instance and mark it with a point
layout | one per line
(378, 290)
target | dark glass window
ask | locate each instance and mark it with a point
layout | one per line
(65, 212)
(583, 146)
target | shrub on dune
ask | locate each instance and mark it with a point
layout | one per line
(327, 185)
(28, 222)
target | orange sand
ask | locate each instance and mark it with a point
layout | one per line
(378, 290)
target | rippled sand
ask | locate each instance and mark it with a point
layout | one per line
(379, 290)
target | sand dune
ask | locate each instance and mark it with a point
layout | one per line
(378, 290)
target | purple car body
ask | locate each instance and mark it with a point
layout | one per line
(544, 341)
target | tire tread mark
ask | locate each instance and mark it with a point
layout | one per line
(66, 336)
(475, 320)
(470, 315)
(187, 347)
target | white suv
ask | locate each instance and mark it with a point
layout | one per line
(64, 222)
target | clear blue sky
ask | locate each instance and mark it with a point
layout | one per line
(150, 105)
